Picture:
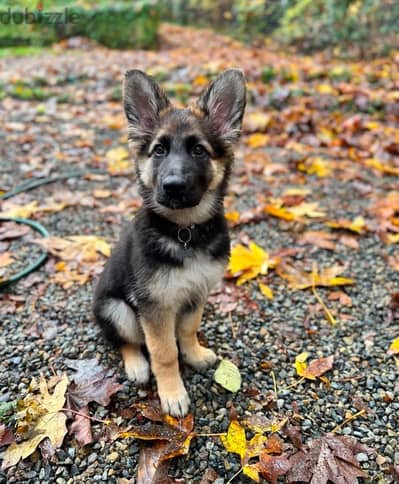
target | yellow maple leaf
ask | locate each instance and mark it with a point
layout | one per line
(392, 238)
(266, 290)
(250, 262)
(300, 363)
(117, 159)
(49, 422)
(358, 225)
(234, 441)
(394, 348)
(279, 212)
(200, 81)
(325, 89)
(233, 216)
(378, 165)
(257, 140)
(315, 165)
(251, 471)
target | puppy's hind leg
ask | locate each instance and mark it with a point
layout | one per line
(130, 337)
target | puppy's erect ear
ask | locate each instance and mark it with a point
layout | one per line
(223, 103)
(143, 100)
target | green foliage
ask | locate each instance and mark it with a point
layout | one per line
(116, 25)
(370, 25)
(317, 24)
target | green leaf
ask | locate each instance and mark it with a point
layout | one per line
(228, 376)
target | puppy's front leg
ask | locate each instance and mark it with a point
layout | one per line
(193, 353)
(161, 343)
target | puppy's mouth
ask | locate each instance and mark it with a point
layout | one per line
(178, 203)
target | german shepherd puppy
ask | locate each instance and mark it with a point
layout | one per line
(155, 284)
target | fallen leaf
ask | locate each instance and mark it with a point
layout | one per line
(315, 165)
(76, 247)
(228, 376)
(341, 297)
(321, 239)
(12, 230)
(260, 424)
(249, 262)
(307, 209)
(315, 369)
(257, 140)
(49, 422)
(118, 161)
(81, 427)
(256, 121)
(6, 436)
(151, 468)
(357, 225)
(279, 212)
(26, 211)
(91, 383)
(330, 458)
(298, 279)
(172, 438)
(6, 259)
(235, 441)
(271, 467)
(266, 290)
(394, 348)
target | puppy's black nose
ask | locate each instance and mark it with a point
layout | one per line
(174, 185)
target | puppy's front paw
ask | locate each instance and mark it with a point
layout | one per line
(138, 370)
(201, 358)
(175, 403)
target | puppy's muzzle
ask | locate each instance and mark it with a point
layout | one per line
(177, 192)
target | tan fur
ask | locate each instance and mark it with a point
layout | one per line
(136, 366)
(161, 343)
(193, 353)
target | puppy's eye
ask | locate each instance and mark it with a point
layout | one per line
(198, 150)
(159, 150)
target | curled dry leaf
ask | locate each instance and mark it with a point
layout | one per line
(315, 369)
(171, 436)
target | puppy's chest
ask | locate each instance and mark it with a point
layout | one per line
(172, 287)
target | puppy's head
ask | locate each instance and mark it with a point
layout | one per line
(183, 156)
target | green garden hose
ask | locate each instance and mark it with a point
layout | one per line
(25, 187)
(35, 264)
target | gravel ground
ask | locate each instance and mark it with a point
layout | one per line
(43, 324)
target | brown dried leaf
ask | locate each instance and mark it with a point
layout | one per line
(81, 427)
(321, 239)
(91, 383)
(6, 436)
(271, 467)
(330, 458)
